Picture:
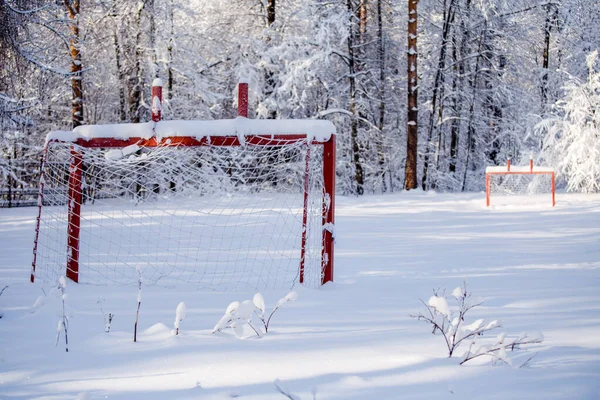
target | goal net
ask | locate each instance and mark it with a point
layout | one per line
(228, 213)
(518, 185)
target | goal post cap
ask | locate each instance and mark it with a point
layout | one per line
(315, 130)
(157, 82)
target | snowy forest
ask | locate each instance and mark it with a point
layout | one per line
(423, 93)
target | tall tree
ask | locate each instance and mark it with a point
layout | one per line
(73, 11)
(410, 181)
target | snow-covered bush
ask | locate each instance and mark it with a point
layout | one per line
(450, 323)
(241, 314)
(572, 142)
(179, 316)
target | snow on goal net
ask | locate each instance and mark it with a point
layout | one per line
(520, 184)
(229, 213)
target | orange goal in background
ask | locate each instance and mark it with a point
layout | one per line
(510, 180)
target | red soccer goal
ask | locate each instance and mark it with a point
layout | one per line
(223, 205)
(513, 180)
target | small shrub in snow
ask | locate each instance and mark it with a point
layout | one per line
(63, 323)
(450, 323)
(107, 318)
(241, 314)
(179, 316)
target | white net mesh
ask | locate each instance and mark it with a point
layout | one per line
(527, 187)
(218, 218)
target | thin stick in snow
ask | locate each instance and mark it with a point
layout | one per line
(139, 303)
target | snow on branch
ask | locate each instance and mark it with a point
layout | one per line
(241, 314)
(450, 323)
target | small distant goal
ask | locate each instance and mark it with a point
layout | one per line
(227, 205)
(511, 181)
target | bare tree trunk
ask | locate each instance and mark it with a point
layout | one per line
(438, 92)
(136, 80)
(410, 181)
(352, 63)
(471, 127)
(551, 21)
(270, 12)
(381, 119)
(153, 55)
(457, 85)
(73, 9)
(170, 77)
(269, 75)
(119, 66)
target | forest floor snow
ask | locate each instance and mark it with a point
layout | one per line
(535, 268)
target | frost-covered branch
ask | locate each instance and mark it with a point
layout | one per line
(452, 324)
(63, 323)
(239, 314)
(498, 351)
(284, 391)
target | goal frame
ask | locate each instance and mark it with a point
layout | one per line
(267, 140)
(518, 170)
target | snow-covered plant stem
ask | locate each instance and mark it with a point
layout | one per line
(259, 303)
(239, 314)
(284, 391)
(452, 324)
(498, 351)
(179, 316)
(63, 323)
(107, 321)
(2, 291)
(139, 303)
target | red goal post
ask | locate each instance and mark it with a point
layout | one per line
(236, 133)
(511, 170)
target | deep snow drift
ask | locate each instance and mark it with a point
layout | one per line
(536, 268)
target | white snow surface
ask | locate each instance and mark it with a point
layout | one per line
(535, 268)
(319, 130)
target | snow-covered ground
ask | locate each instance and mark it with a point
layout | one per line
(536, 269)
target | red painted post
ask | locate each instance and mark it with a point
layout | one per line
(40, 204)
(328, 210)
(531, 163)
(74, 215)
(487, 190)
(305, 212)
(508, 165)
(156, 100)
(243, 99)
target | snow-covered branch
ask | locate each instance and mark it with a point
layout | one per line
(450, 323)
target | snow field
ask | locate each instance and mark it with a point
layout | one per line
(536, 268)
